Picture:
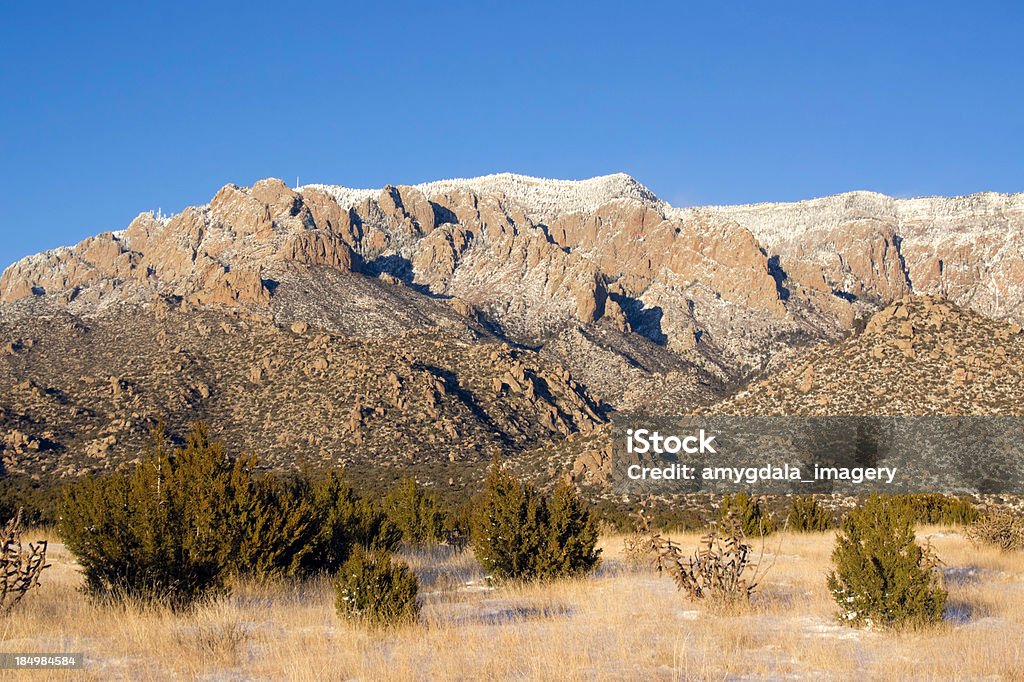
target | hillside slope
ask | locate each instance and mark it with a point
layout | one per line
(921, 356)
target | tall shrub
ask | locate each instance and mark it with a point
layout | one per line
(571, 534)
(344, 521)
(882, 576)
(744, 511)
(294, 526)
(415, 512)
(518, 533)
(807, 515)
(273, 527)
(156, 533)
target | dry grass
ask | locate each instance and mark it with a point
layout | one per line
(623, 623)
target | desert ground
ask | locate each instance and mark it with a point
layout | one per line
(626, 622)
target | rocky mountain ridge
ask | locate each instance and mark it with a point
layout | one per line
(575, 251)
(620, 302)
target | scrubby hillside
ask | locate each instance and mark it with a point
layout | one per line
(80, 395)
(921, 356)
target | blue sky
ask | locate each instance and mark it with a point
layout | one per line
(109, 111)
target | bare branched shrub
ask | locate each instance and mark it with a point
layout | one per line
(931, 562)
(21, 566)
(636, 549)
(722, 571)
(999, 527)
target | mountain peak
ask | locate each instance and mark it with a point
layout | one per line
(541, 198)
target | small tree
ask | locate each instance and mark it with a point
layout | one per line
(156, 533)
(507, 523)
(374, 590)
(517, 533)
(571, 535)
(807, 515)
(745, 510)
(416, 513)
(274, 525)
(882, 576)
(344, 521)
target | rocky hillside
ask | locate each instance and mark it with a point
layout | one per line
(81, 395)
(920, 356)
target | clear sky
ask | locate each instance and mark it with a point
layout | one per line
(108, 111)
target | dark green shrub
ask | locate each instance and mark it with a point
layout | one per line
(935, 508)
(301, 525)
(743, 513)
(677, 515)
(346, 520)
(376, 591)
(156, 533)
(182, 520)
(507, 526)
(807, 515)
(36, 499)
(274, 527)
(517, 533)
(571, 535)
(882, 576)
(415, 512)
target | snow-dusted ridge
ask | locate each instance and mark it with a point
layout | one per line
(923, 218)
(541, 198)
(772, 223)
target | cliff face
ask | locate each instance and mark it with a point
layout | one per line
(966, 249)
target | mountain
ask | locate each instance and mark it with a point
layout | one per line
(518, 311)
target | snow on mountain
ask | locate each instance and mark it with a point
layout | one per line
(541, 198)
(922, 218)
(772, 223)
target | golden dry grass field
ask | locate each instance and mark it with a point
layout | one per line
(625, 623)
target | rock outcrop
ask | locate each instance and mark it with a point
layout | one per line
(211, 255)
